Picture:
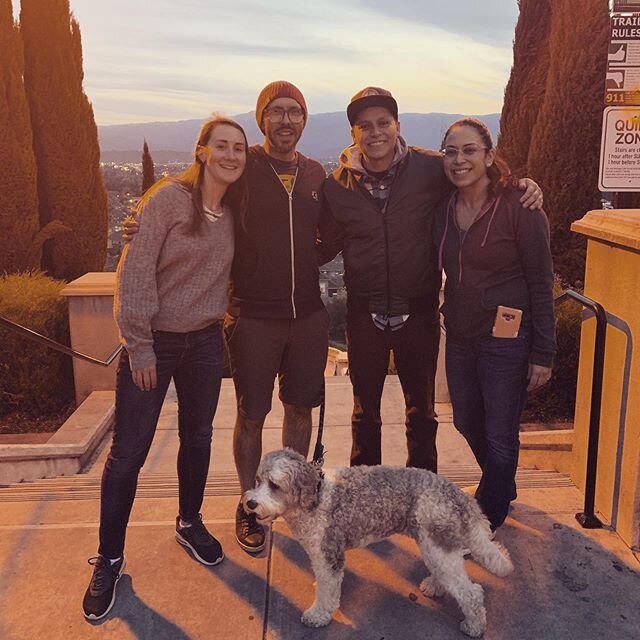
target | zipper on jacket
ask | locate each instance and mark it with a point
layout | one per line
(461, 236)
(451, 209)
(387, 259)
(386, 237)
(385, 232)
(293, 252)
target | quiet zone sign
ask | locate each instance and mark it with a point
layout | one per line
(620, 150)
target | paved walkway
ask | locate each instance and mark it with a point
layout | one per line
(569, 582)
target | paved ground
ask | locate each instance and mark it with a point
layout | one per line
(569, 582)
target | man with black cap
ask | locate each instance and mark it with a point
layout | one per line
(382, 201)
(277, 324)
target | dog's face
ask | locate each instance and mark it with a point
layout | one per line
(284, 480)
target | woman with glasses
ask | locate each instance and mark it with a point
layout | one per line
(498, 306)
(170, 299)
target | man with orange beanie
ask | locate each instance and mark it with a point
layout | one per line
(277, 324)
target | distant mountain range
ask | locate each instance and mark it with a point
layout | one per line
(324, 137)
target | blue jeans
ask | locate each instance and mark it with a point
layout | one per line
(194, 361)
(487, 379)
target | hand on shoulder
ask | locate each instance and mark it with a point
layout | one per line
(532, 198)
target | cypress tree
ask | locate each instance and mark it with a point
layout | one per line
(525, 90)
(148, 173)
(65, 139)
(565, 144)
(18, 190)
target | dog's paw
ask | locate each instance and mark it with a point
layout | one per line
(315, 617)
(472, 628)
(431, 588)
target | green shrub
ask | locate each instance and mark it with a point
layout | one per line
(34, 378)
(557, 399)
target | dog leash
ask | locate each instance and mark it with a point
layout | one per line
(318, 452)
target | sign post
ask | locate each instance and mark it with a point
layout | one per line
(620, 146)
(622, 84)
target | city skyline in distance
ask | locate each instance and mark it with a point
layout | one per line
(324, 136)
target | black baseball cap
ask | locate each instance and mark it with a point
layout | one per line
(371, 97)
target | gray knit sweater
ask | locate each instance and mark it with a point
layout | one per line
(169, 279)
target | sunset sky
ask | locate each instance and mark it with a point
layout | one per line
(170, 60)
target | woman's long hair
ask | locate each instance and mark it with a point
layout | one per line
(236, 196)
(499, 174)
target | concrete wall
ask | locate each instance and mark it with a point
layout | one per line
(612, 278)
(68, 449)
(93, 331)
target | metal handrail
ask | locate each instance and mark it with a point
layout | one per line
(37, 337)
(587, 518)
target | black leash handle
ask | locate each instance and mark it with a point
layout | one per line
(318, 452)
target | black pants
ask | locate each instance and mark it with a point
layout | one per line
(194, 361)
(415, 350)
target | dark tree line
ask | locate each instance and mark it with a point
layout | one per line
(552, 115)
(148, 172)
(52, 199)
(18, 186)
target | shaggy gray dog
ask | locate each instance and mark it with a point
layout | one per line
(363, 504)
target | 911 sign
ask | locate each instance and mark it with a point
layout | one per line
(622, 85)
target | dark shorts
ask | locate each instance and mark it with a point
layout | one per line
(262, 348)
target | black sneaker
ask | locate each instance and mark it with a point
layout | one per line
(204, 547)
(101, 592)
(249, 534)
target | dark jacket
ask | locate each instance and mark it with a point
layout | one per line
(275, 270)
(389, 260)
(503, 259)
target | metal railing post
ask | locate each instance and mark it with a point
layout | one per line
(587, 518)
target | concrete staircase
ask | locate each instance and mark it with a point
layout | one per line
(158, 485)
(569, 582)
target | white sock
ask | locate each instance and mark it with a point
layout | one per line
(183, 524)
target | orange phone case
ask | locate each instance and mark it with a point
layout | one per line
(507, 322)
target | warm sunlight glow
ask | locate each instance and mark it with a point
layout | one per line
(173, 61)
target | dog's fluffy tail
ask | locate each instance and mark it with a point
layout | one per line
(491, 555)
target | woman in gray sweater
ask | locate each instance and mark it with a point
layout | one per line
(171, 296)
(498, 307)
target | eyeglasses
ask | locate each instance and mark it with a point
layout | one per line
(468, 151)
(296, 115)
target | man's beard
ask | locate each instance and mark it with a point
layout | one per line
(284, 146)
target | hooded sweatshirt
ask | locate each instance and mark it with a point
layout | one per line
(504, 258)
(275, 270)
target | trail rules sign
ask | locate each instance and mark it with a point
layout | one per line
(626, 5)
(622, 84)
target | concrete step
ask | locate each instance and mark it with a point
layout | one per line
(87, 487)
(568, 582)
